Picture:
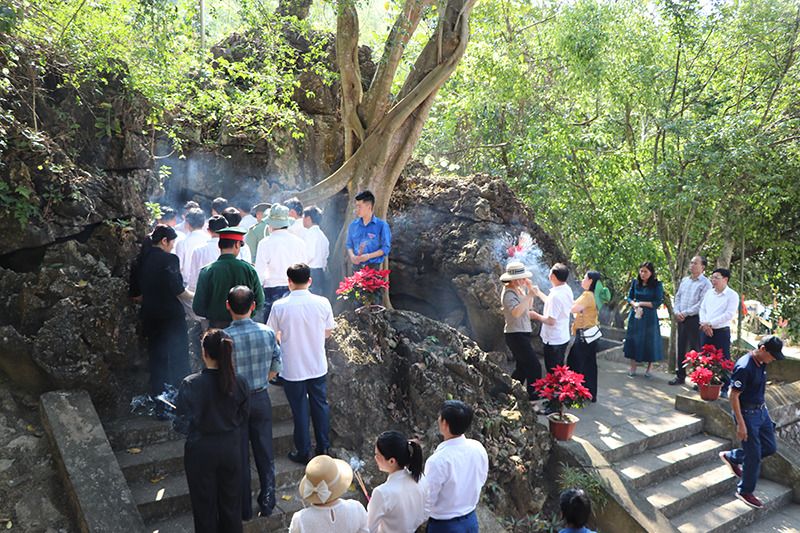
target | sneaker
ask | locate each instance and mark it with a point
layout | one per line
(723, 456)
(750, 500)
(677, 381)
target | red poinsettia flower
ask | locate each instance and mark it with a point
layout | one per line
(709, 367)
(563, 389)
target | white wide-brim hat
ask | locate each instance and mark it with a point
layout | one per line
(515, 270)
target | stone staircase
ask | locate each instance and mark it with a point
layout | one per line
(686, 481)
(662, 465)
(150, 455)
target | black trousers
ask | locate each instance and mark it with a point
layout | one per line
(721, 340)
(258, 433)
(528, 368)
(214, 473)
(167, 352)
(688, 340)
(554, 355)
(318, 282)
(582, 358)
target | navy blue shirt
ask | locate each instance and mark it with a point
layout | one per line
(750, 377)
(374, 236)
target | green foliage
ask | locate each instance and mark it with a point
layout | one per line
(16, 201)
(636, 131)
(8, 18)
(574, 478)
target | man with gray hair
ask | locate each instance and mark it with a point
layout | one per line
(687, 312)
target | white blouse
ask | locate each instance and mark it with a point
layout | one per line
(400, 505)
(347, 516)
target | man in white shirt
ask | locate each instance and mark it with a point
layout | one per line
(716, 312)
(317, 248)
(205, 254)
(296, 215)
(302, 322)
(248, 220)
(456, 473)
(275, 254)
(555, 317)
(194, 219)
(182, 226)
(687, 312)
(231, 214)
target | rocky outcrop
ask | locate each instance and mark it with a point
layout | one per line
(394, 370)
(450, 240)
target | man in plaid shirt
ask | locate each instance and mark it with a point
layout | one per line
(258, 358)
(687, 312)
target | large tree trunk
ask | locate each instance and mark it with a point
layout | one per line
(381, 131)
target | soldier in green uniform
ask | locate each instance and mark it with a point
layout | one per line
(216, 279)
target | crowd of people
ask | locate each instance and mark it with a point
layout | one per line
(703, 309)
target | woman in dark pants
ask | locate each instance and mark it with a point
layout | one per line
(516, 300)
(583, 355)
(211, 407)
(156, 282)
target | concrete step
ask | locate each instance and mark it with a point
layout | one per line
(279, 520)
(784, 520)
(620, 426)
(656, 465)
(684, 490)
(159, 460)
(726, 514)
(137, 431)
(168, 495)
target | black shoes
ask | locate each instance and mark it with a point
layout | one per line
(322, 451)
(677, 381)
(300, 459)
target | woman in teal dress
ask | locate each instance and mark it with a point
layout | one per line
(643, 338)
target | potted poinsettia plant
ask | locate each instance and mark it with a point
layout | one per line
(563, 389)
(365, 285)
(708, 369)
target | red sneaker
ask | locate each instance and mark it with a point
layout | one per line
(750, 500)
(733, 466)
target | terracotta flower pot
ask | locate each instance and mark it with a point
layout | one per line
(709, 392)
(562, 430)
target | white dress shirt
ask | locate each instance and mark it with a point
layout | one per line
(276, 254)
(297, 228)
(400, 505)
(558, 306)
(719, 308)
(248, 221)
(456, 474)
(317, 246)
(187, 246)
(205, 255)
(302, 319)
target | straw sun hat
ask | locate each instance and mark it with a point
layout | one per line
(326, 479)
(515, 270)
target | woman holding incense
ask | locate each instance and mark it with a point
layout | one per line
(211, 407)
(401, 504)
(516, 300)
(157, 284)
(325, 481)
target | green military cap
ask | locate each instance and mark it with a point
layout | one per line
(234, 233)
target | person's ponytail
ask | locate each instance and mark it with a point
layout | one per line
(219, 347)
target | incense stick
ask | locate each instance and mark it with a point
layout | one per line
(361, 482)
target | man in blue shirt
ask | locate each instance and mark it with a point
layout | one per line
(753, 425)
(258, 358)
(369, 238)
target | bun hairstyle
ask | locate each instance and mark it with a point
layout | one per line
(407, 453)
(218, 346)
(161, 232)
